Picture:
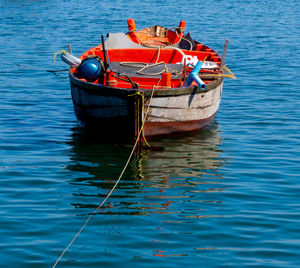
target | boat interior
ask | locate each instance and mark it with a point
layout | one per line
(153, 57)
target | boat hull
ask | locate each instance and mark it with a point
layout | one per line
(114, 111)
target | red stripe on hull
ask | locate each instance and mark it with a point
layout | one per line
(166, 128)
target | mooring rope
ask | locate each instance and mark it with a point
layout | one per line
(115, 185)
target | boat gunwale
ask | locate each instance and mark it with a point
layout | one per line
(125, 92)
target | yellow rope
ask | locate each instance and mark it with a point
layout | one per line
(217, 76)
(231, 75)
(143, 106)
(114, 187)
(55, 54)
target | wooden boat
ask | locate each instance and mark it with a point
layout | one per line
(148, 67)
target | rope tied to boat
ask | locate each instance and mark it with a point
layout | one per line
(117, 181)
(58, 52)
(221, 74)
(143, 113)
(178, 29)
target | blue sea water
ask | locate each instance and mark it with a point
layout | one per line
(227, 196)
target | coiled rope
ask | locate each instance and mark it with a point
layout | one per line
(116, 183)
(143, 66)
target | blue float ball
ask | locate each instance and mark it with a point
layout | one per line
(90, 69)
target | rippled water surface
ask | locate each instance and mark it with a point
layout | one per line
(226, 196)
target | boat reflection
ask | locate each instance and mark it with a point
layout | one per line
(157, 182)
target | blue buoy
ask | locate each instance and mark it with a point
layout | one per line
(90, 69)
